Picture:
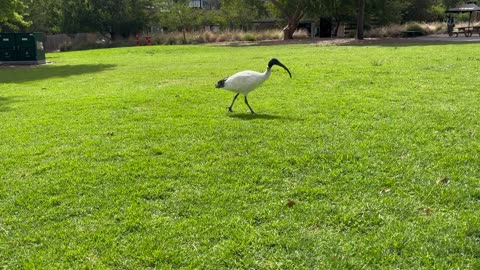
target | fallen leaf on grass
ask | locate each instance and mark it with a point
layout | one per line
(443, 181)
(384, 191)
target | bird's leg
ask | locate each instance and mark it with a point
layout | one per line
(246, 102)
(233, 101)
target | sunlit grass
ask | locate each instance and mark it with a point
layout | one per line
(127, 158)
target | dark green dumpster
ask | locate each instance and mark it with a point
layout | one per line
(7, 47)
(22, 48)
(30, 47)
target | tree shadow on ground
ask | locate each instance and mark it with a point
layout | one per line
(20, 74)
(4, 102)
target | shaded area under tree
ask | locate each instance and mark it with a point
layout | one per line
(9, 74)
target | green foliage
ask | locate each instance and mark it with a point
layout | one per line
(116, 18)
(12, 15)
(46, 16)
(121, 18)
(339, 10)
(292, 11)
(127, 159)
(250, 37)
(238, 14)
(231, 14)
(382, 12)
(179, 15)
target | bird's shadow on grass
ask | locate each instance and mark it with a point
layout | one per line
(250, 116)
(20, 74)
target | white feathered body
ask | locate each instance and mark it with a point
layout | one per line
(245, 81)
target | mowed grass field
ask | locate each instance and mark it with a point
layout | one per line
(368, 158)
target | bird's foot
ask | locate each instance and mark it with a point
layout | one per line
(252, 112)
(229, 109)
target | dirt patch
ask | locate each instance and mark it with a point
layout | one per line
(434, 40)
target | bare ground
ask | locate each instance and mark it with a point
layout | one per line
(428, 40)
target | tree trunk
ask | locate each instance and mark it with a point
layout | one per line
(337, 26)
(360, 19)
(113, 36)
(184, 33)
(293, 17)
(289, 29)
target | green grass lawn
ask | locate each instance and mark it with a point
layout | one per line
(369, 157)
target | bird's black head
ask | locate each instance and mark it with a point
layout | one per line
(274, 61)
(221, 83)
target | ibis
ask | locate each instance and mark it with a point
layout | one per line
(246, 81)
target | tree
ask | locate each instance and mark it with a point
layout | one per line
(12, 14)
(339, 10)
(383, 12)
(425, 10)
(118, 18)
(121, 18)
(293, 11)
(46, 16)
(179, 15)
(78, 16)
(182, 15)
(238, 14)
(360, 19)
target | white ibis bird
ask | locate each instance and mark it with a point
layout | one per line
(246, 81)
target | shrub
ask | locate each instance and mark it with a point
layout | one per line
(269, 35)
(209, 36)
(249, 37)
(301, 34)
(175, 38)
(222, 37)
(238, 36)
(395, 30)
(414, 26)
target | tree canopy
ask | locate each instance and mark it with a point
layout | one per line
(121, 18)
(12, 14)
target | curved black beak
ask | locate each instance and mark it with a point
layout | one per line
(283, 66)
(277, 63)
